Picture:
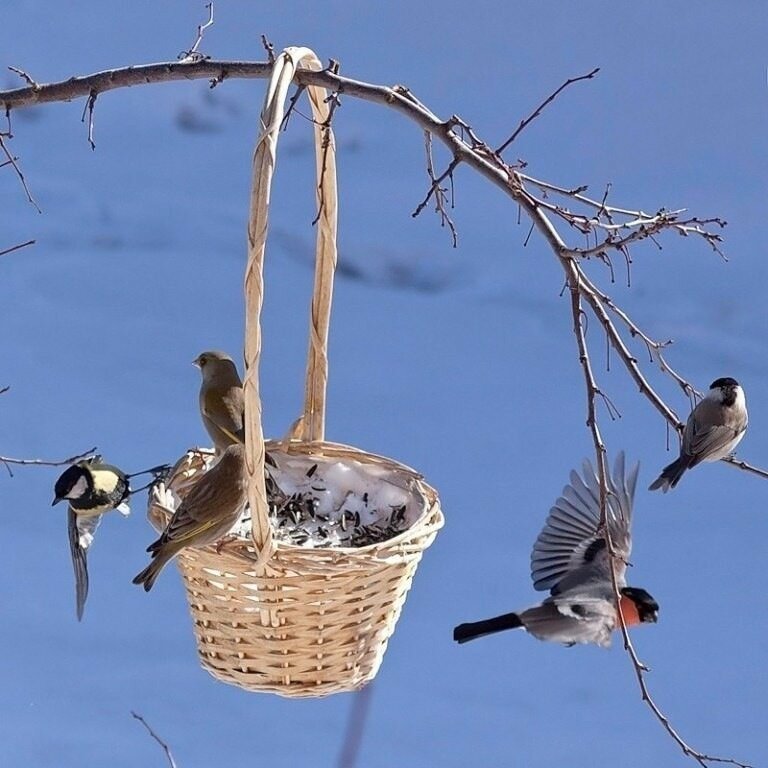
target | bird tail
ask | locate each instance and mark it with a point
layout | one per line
(670, 475)
(148, 576)
(469, 631)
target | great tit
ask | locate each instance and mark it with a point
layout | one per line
(92, 488)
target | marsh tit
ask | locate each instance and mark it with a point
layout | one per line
(714, 428)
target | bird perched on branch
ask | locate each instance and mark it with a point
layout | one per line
(208, 511)
(92, 489)
(571, 559)
(222, 405)
(714, 428)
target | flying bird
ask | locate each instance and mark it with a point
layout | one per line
(222, 406)
(208, 511)
(714, 428)
(92, 489)
(570, 559)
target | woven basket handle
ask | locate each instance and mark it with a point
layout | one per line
(312, 423)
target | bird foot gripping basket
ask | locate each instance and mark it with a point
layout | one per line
(270, 614)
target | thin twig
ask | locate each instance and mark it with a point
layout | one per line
(438, 191)
(7, 461)
(292, 106)
(353, 736)
(269, 48)
(12, 161)
(22, 74)
(192, 54)
(165, 747)
(16, 248)
(327, 140)
(88, 109)
(523, 123)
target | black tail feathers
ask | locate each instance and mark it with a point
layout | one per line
(671, 474)
(469, 631)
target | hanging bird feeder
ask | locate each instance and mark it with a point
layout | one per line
(303, 596)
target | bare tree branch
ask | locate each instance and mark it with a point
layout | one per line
(438, 191)
(12, 161)
(524, 123)
(192, 54)
(24, 76)
(353, 736)
(88, 109)
(612, 230)
(166, 748)
(16, 248)
(7, 461)
(639, 667)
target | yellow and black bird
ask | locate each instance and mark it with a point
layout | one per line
(92, 489)
(208, 511)
(222, 405)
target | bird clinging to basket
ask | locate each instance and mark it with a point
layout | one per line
(92, 489)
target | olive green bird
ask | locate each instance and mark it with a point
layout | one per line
(222, 405)
(208, 511)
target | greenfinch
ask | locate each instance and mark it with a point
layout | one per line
(222, 406)
(208, 511)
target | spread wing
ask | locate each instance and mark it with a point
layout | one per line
(80, 529)
(570, 549)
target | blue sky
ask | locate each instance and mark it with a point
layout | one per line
(468, 373)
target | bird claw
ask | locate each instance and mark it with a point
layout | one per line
(223, 541)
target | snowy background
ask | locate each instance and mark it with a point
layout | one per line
(458, 362)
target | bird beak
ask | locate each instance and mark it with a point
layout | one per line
(196, 362)
(56, 500)
(653, 617)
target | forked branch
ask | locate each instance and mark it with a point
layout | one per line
(608, 230)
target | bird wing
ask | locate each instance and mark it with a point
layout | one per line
(196, 512)
(701, 441)
(570, 549)
(81, 529)
(226, 410)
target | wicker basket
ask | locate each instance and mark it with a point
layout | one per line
(269, 616)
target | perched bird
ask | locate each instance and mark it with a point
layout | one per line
(570, 558)
(222, 405)
(714, 428)
(92, 488)
(210, 508)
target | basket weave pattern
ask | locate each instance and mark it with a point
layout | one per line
(271, 616)
(314, 621)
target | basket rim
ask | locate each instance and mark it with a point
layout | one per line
(426, 525)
